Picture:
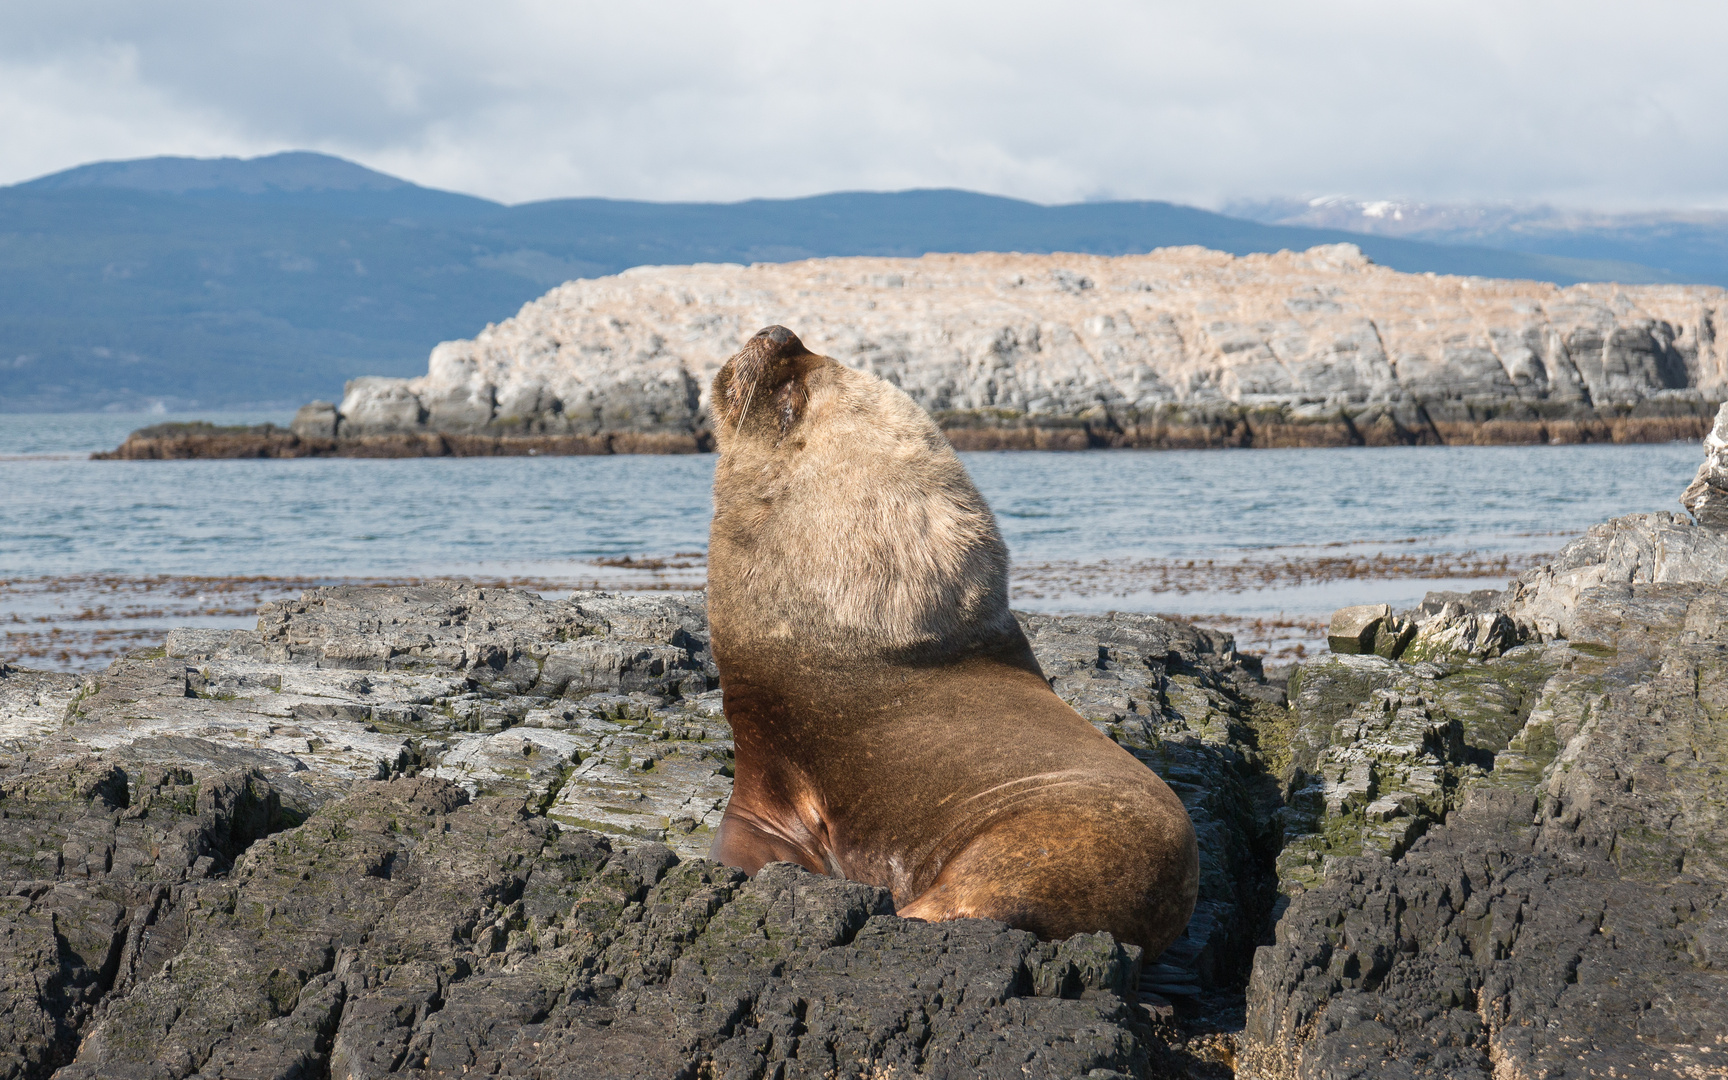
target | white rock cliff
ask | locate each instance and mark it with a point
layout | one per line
(1182, 346)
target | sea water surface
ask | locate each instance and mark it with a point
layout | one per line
(1264, 541)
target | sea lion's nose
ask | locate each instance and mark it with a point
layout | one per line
(780, 337)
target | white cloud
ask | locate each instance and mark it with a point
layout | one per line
(1597, 103)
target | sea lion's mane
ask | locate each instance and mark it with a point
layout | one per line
(843, 522)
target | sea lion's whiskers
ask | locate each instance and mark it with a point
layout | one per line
(749, 393)
(748, 367)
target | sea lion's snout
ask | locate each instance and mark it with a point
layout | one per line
(767, 358)
(779, 337)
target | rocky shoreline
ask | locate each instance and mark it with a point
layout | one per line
(1182, 430)
(204, 441)
(449, 829)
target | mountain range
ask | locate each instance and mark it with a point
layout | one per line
(200, 283)
(1687, 245)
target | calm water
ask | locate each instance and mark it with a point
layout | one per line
(82, 434)
(64, 515)
(1083, 528)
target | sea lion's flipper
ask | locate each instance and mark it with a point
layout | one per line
(1064, 871)
(742, 843)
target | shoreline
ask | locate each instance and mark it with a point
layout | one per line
(1276, 606)
(198, 441)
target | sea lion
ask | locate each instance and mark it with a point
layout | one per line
(890, 722)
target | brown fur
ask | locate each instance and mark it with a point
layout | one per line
(890, 721)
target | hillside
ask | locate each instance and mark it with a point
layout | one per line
(204, 283)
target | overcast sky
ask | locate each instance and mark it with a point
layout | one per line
(1590, 104)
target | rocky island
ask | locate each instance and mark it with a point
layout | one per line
(1182, 347)
(444, 831)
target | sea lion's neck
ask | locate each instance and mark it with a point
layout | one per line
(804, 667)
(809, 698)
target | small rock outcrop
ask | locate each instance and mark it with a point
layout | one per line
(1182, 347)
(1706, 498)
(1369, 628)
(201, 439)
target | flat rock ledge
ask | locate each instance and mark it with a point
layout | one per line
(201, 440)
(1213, 428)
(448, 831)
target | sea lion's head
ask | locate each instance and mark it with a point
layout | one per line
(843, 522)
(775, 364)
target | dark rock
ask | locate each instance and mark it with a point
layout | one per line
(528, 876)
(407, 930)
(230, 889)
(1565, 919)
(315, 422)
(201, 439)
(1393, 636)
(99, 870)
(430, 765)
